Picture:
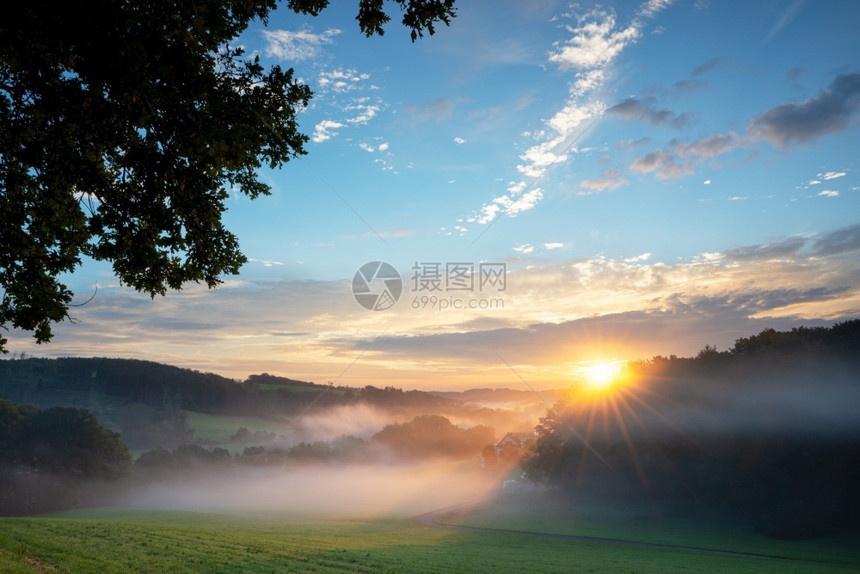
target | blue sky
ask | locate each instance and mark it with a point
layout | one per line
(655, 176)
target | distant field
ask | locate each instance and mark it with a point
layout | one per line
(300, 388)
(220, 428)
(127, 540)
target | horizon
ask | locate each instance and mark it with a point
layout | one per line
(595, 193)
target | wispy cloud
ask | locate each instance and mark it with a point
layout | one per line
(706, 67)
(596, 40)
(297, 46)
(610, 180)
(787, 16)
(646, 110)
(435, 110)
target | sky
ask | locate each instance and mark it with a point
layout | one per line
(548, 185)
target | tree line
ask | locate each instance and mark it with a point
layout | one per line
(62, 457)
(48, 456)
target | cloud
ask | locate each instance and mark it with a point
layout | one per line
(681, 159)
(296, 46)
(610, 180)
(525, 202)
(690, 85)
(804, 122)
(842, 240)
(594, 43)
(365, 113)
(341, 80)
(637, 258)
(652, 7)
(265, 262)
(793, 73)
(706, 67)
(832, 175)
(633, 144)
(524, 249)
(645, 110)
(383, 146)
(778, 250)
(783, 126)
(459, 141)
(555, 312)
(325, 130)
(785, 18)
(437, 110)
(551, 246)
(829, 193)
(516, 201)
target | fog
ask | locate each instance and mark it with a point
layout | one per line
(343, 491)
(359, 420)
(816, 401)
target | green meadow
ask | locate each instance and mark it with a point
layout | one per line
(137, 540)
(219, 428)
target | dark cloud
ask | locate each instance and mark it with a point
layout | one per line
(779, 250)
(706, 67)
(839, 241)
(683, 327)
(748, 303)
(842, 240)
(687, 86)
(646, 110)
(793, 74)
(681, 159)
(798, 123)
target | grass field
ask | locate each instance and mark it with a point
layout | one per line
(219, 428)
(134, 540)
(649, 524)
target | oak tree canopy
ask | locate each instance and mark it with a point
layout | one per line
(123, 123)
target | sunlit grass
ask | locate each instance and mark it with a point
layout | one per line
(161, 541)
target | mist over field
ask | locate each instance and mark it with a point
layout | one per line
(321, 491)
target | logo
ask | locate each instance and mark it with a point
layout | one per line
(377, 286)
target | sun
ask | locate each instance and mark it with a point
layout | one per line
(601, 375)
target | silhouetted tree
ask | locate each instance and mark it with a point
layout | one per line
(123, 124)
